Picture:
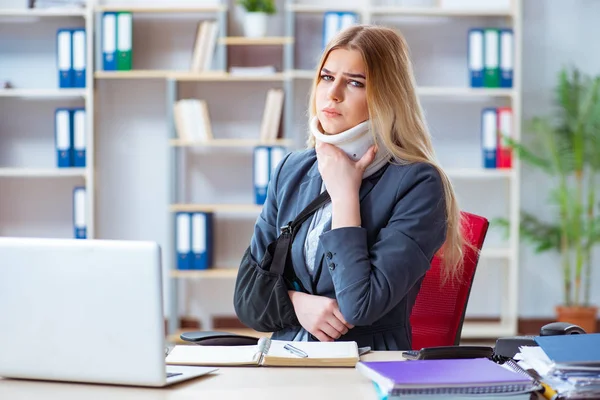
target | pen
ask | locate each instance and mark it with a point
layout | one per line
(295, 350)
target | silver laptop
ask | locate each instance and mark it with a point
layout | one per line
(84, 311)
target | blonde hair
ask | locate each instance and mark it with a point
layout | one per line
(396, 117)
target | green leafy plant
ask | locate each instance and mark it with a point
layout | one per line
(566, 146)
(266, 6)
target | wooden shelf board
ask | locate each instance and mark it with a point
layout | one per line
(224, 76)
(464, 91)
(479, 173)
(218, 208)
(302, 74)
(212, 273)
(133, 74)
(440, 12)
(229, 143)
(320, 8)
(484, 330)
(42, 172)
(241, 40)
(40, 12)
(170, 9)
(43, 93)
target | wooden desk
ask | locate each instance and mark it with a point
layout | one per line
(248, 383)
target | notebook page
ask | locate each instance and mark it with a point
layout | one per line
(319, 353)
(213, 355)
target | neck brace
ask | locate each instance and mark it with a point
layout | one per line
(354, 142)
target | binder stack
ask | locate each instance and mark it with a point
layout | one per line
(496, 129)
(71, 57)
(117, 40)
(266, 159)
(70, 137)
(194, 240)
(491, 57)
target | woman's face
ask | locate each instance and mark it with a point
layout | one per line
(341, 96)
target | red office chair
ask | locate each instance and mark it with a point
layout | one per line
(439, 310)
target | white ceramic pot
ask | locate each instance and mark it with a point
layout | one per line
(255, 24)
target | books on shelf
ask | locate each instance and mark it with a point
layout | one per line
(194, 240)
(269, 353)
(192, 120)
(271, 119)
(70, 137)
(71, 57)
(117, 41)
(265, 159)
(496, 128)
(79, 213)
(490, 59)
(336, 21)
(204, 46)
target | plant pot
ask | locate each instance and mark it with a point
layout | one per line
(255, 24)
(585, 317)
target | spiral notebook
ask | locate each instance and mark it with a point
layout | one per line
(268, 352)
(475, 376)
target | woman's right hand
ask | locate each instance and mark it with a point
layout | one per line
(319, 315)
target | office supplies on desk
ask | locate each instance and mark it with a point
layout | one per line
(563, 349)
(476, 376)
(268, 352)
(295, 350)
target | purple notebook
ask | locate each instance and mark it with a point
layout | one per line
(473, 376)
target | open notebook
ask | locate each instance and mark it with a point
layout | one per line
(267, 352)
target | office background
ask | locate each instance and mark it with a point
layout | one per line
(132, 182)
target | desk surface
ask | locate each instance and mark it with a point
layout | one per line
(247, 383)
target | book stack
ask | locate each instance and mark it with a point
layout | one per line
(445, 378)
(204, 46)
(269, 128)
(192, 121)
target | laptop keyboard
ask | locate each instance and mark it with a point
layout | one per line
(172, 374)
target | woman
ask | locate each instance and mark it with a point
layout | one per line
(361, 257)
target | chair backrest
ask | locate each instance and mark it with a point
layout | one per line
(439, 310)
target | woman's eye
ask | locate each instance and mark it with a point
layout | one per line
(326, 77)
(357, 84)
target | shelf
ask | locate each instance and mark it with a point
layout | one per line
(133, 74)
(218, 208)
(40, 12)
(42, 172)
(440, 12)
(302, 74)
(224, 76)
(264, 41)
(485, 330)
(464, 91)
(496, 253)
(479, 173)
(42, 93)
(170, 9)
(213, 273)
(229, 143)
(315, 8)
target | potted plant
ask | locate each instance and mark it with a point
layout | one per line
(255, 19)
(566, 146)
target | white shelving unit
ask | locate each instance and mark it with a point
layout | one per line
(290, 77)
(29, 96)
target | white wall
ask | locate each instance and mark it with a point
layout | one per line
(133, 153)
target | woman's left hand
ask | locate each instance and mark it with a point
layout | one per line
(342, 175)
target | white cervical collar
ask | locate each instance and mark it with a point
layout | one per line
(354, 142)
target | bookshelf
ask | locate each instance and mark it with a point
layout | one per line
(295, 77)
(29, 161)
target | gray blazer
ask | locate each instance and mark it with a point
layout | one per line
(374, 271)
